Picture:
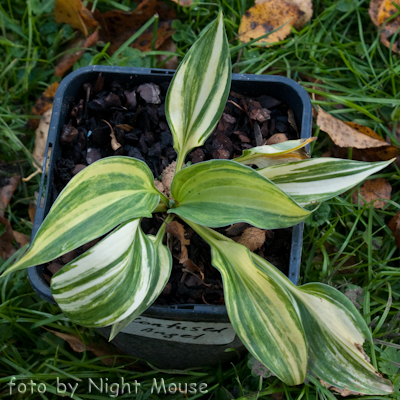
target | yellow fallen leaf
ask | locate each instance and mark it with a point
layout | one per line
(344, 135)
(266, 17)
(365, 130)
(386, 10)
(43, 103)
(305, 6)
(380, 11)
(74, 13)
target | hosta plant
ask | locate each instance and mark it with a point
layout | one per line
(290, 329)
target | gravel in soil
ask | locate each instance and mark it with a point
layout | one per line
(131, 122)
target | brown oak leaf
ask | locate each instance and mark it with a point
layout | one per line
(372, 190)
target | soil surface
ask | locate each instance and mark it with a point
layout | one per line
(131, 122)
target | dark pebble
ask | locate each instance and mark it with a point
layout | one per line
(92, 155)
(78, 168)
(68, 134)
(131, 101)
(150, 93)
(281, 127)
(133, 152)
(197, 156)
(166, 138)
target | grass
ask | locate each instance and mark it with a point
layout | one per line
(338, 56)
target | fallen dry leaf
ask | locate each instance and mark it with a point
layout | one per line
(118, 26)
(7, 248)
(344, 135)
(41, 135)
(277, 396)
(305, 6)
(74, 13)
(44, 103)
(342, 392)
(193, 269)
(21, 238)
(394, 226)
(109, 354)
(115, 145)
(380, 11)
(176, 229)
(125, 127)
(6, 193)
(173, 62)
(264, 18)
(69, 60)
(364, 129)
(372, 190)
(277, 138)
(373, 11)
(386, 10)
(370, 155)
(253, 238)
(32, 212)
(237, 229)
(184, 3)
(7, 239)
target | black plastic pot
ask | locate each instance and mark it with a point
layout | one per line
(169, 336)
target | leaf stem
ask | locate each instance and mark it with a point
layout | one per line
(160, 208)
(161, 231)
(208, 234)
(179, 162)
(164, 199)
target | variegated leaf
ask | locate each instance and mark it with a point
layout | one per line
(221, 192)
(159, 275)
(263, 156)
(104, 194)
(320, 179)
(261, 311)
(110, 282)
(198, 92)
(335, 332)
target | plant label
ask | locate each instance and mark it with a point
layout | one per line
(211, 333)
